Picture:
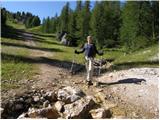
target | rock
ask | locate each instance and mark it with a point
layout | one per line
(98, 90)
(23, 116)
(98, 113)
(46, 103)
(59, 105)
(21, 99)
(119, 117)
(42, 99)
(96, 84)
(49, 112)
(19, 106)
(29, 100)
(1, 110)
(32, 113)
(36, 98)
(100, 97)
(69, 94)
(79, 109)
(51, 96)
(111, 75)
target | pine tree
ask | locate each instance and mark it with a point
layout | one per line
(72, 26)
(85, 20)
(43, 25)
(105, 23)
(28, 23)
(35, 21)
(47, 26)
(78, 17)
(64, 17)
(98, 24)
(3, 16)
(137, 27)
(54, 23)
(112, 23)
(155, 19)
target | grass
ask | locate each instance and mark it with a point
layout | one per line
(35, 29)
(66, 54)
(141, 57)
(16, 25)
(13, 69)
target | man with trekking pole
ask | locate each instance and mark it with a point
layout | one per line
(90, 52)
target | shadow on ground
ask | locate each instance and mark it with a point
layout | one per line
(12, 33)
(125, 81)
(31, 47)
(42, 60)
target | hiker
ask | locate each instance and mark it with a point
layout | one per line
(90, 52)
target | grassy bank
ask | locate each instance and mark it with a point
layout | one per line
(13, 69)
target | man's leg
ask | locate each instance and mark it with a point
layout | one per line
(90, 71)
(87, 69)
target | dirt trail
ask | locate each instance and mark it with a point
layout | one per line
(123, 94)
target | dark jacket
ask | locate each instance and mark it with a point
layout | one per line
(89, 50)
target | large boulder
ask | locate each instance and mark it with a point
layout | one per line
(69, 94)
(59, 105)
(79, 109)
(49, 112)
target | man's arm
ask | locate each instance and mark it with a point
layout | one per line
(98, 52)
(81, 51)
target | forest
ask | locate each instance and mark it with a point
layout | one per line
(132, 24)
(113, 24)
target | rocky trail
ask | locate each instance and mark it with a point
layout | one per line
(56, 93)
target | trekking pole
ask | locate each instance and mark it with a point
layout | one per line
(73, 62)
(100, 66)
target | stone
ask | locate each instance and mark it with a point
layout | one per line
(1, 110)
(59, 105)
(32, 113)
(101, 98)
(36, 98)
(111, 75)
(23, 116)
(69, 94)
(46, 103)
(98, 113)
(96, 84)
(79, 109)
(49, 112)
(51, 96)
(29, 100)
(19, 106)
(21, 99)
(119, 117)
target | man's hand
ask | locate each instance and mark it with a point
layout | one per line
(76, 52)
